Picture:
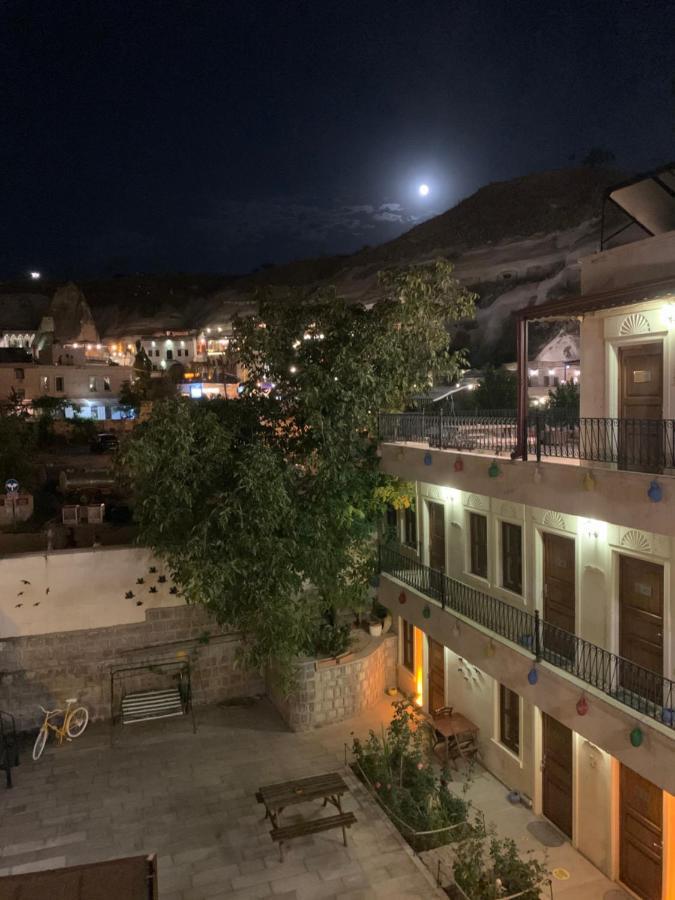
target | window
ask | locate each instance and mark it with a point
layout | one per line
(408, 645)
(391, 524)
(19, 374)
(106, 383)
(512, 557)
(478, 548)
(92, 385)
(58, 384)
(169, 354)
(44, 383)
(410, 527)
(509, 719)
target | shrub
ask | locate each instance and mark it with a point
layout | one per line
(496, 870)
(396, 766)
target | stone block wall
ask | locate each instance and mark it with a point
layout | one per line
(45, 669)
(326, 695)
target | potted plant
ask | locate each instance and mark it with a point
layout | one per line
(381, 614)
(375, 627)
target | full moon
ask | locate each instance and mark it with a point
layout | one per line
(423, 190)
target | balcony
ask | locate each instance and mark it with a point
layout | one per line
(641, 445)
(634, 687)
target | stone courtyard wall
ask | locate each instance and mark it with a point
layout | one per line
(328, 694)
(46, 669)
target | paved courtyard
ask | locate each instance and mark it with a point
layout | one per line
(191, 798)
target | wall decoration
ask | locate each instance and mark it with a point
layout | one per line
(493, 469)
(476, 501)
(655, 492)
(582, 705)
(533, 675)
(554, 519)
(668, 716)
(459, 465)
(636, 737)
(402, 597)
(635, 323)
(636, 540)
(426, 612)
(588, 482)
(428, 459)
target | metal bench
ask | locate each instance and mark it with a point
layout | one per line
(9, 747)
(312, 826)
(148, 705)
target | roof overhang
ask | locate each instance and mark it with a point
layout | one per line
(574, 307)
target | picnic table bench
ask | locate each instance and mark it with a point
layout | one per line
(277, 797)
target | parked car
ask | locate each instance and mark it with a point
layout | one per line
(105, 442)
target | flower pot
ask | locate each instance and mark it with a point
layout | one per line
(375, 629)
(386, 623)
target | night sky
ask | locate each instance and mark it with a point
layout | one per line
(219, 136)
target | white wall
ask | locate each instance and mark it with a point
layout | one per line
(76, 589)
(76, 380)
(652, 259)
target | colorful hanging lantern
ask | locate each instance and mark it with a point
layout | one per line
(375, 581)
(459, 465)
(428, 459)
(589, 483)
(655, 492)
(426, 612)
(533, 675)
(402, 597)
(582, 705)
(493, 469)
(636, 737)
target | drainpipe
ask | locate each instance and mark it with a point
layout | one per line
(521, 360)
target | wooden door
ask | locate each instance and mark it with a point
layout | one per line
(557, 774)
(640, 437)
(437, 536)
(641, 627)
(559, 596)
(641, 835)
(436, 675)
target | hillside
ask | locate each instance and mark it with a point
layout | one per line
(514, 242)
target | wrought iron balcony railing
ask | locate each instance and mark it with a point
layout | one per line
(643, 444)
(632, 685)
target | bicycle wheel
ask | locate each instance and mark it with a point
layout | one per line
(39, 744)
(77, 722)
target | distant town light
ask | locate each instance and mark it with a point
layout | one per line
(35, 275)
(534, 371)
(293, 370)
(551, 371)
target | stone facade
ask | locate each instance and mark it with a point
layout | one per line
(45, 669)
(325, 695)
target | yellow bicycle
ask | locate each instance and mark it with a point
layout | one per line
(73, 724)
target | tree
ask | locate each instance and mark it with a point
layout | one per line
(565, 397)
(250, 502)
(498, 389)
(17, 449)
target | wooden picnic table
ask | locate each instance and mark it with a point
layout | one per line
(329, 788)
(459, 732)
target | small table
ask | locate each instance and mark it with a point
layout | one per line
(454, 727)
(277, 797)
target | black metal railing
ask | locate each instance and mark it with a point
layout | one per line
(642, 444)
(627, 682)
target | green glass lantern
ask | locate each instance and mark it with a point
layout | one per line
(636, 737)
